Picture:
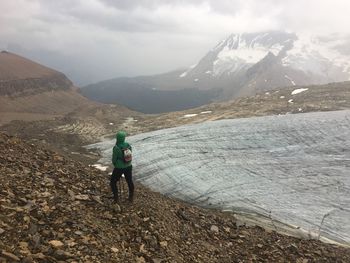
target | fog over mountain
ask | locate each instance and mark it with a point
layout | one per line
(240, 65)
(90, 41)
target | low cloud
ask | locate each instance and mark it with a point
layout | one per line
(99, 39)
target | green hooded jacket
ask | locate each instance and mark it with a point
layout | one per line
(117, 158)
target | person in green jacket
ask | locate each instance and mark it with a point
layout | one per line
(121, 160)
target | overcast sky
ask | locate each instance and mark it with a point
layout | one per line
(92, 40)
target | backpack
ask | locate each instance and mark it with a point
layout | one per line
(127, 155)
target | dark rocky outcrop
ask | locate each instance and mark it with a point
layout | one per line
(32, 86)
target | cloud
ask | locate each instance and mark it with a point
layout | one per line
(101, 39)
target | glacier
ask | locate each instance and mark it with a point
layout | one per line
(293, 168)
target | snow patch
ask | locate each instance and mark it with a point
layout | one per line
(296, 91)
(282, 97)
(292, 81)
(196, 80)
(183, 74)
(187, 71)
(190, 115)
(290, 101)
(100, 167)
(111, 123)
(206, 112)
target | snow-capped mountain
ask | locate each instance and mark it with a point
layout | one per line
(241, 65)
(239, 52)
(253, 62)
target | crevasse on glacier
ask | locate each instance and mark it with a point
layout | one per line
(294, 167)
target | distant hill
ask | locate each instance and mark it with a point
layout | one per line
(30, 91)
(241, 65)
(20, 76)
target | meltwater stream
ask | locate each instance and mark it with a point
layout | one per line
(293, 168)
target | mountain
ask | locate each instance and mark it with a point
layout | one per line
(150, 94)
(240, 65)
(30, 91)
(246, 64)
(20, 76)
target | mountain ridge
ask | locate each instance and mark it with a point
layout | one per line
(20, 76)
(242, 65)
(30, 91)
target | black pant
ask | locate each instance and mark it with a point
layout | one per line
(117, 173)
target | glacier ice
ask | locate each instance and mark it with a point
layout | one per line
(295, 168)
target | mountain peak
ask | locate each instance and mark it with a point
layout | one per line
(239, 52)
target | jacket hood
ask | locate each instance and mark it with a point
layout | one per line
(120, 137)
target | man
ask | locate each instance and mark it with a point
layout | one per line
(121, 160)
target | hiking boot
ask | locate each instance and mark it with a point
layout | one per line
(131, 198)
(116, 199)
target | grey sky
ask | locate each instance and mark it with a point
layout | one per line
(92, 40)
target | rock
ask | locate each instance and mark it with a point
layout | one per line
(39, 256)
(71, 194)
(116, 208)
(97, 199)
(33, 228)
(214, 229)
(157, 260)
(36, 240)
(260, 246)
(142, 249)
(79, 233)
(114, 249)
(56, 243)
(2, 231)
(63, 255)
(163, 244)
(140, 260)
(10, 256)
(82, 197)
(28, 259)
(23, 245)
(302, 260)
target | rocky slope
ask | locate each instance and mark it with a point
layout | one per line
(30, 91)
(56, 210)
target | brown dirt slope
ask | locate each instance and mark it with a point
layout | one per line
(14, 67)
(56, 210)
(20, 76)
(31, 92)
